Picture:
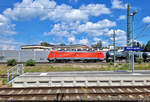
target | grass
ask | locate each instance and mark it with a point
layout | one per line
(4, 81)
(76, 67)
(71, 67)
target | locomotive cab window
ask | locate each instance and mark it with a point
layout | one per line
(52, 52)
(99, 53)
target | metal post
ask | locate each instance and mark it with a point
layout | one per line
(18, 69)
(132, 43)
(8, 75)
(12, 73)
(114, 44)
(128, 25)
(22, 69)
(34, 55)
(133, 39)
(128, 34)
(18, 56)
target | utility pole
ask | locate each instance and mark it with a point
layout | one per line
(114, 44)
(128, 25)
(128, 34)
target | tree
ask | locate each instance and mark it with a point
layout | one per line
(143, 48)
(147, 47)
(138, 44)
(98, 45)
(62, 44)
(44, 44)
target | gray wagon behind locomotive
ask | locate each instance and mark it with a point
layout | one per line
(146, 56)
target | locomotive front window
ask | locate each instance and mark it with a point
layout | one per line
(99, 53)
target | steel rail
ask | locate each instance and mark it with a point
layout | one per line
(79, 87)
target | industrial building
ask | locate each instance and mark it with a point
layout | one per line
(53, 47)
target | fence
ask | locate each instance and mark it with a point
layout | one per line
(15, 71)
(22, 56)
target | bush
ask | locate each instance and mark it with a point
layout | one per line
(139, 60)
(30, 63)
(11, 62)
(4, 81)
(111, 63)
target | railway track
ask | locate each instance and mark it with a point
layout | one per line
(103, 62)
(3, 76)
(126, 93)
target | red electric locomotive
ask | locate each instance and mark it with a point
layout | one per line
(65, 56)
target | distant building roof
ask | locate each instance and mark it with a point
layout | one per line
(35, 47)
(53, 46)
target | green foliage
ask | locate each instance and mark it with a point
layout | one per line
(140, 60)
(11, 62)
(143, 47)
(45, 44)
(111, 63)
(4, 81)
(62, 44)
(147, 47)
(30, 63)
(123, 67)
(138, 44)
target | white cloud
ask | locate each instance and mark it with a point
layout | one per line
(96, 39)
(122, 17)
(146, 19)
(64, 29)
(67, 13)
(9, 44)
(84, 41)
(95, 9)
(29, 9)
(117, 32)
(9, 41)
(98, 28)
(105, 43)
(6, 28)
(8, 47)
(75, 15)
(61, 29)
(71, 39)
(45, 9)
(120, 36)
(90, 28)
(98, 25)
(118, 4)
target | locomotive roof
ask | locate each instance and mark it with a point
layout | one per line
(77, 51)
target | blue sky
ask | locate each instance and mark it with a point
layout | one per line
(25, 22)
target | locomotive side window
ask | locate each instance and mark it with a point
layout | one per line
(52, 52)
